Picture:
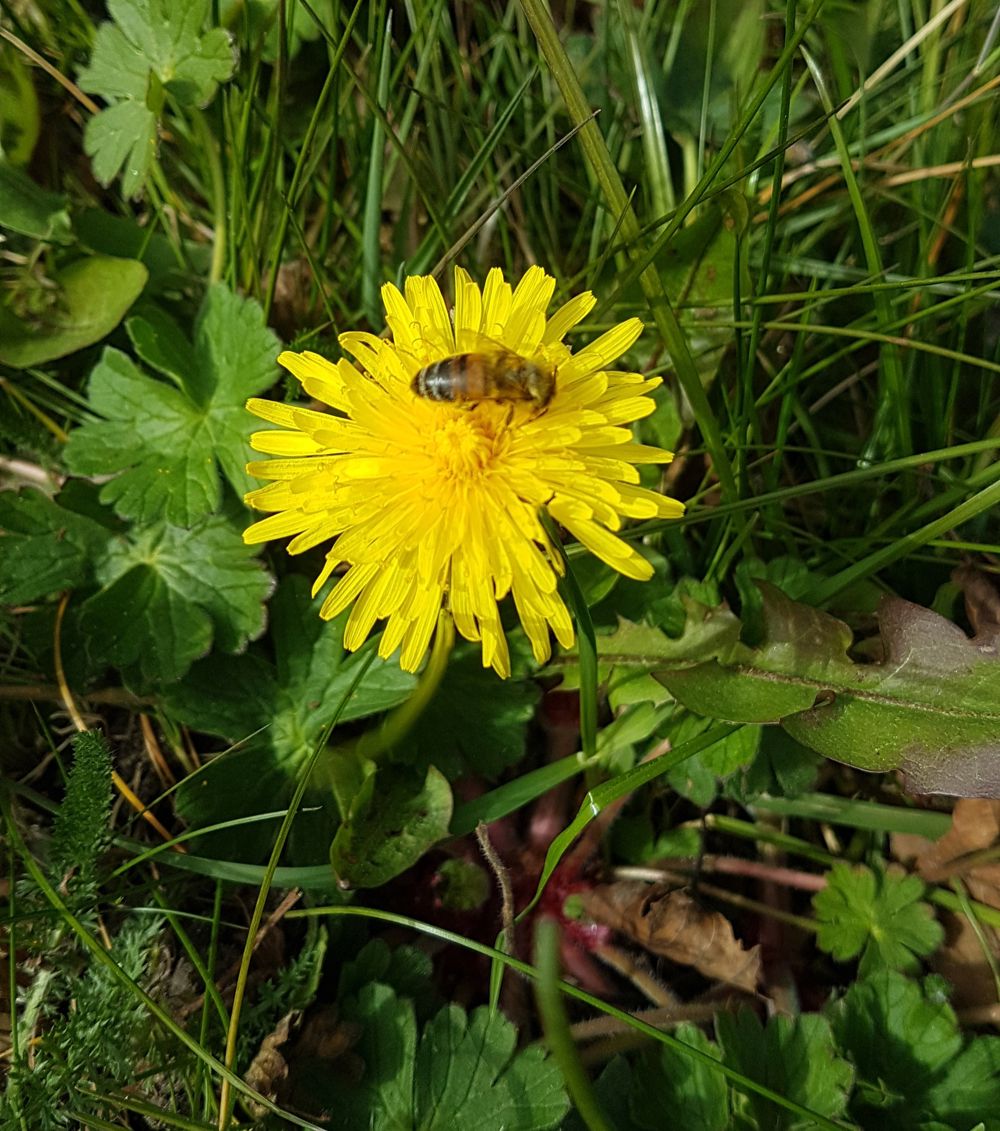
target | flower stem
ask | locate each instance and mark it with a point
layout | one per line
(397, 725)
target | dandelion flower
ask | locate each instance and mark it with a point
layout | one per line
(435, 504)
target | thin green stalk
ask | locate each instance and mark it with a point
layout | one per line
(371, 226)
(226, 1097)
(894, 401)
(399, 723)
(981, 502)
(211, 151)
(104, 958)
(211, 964)
(300, 165)
(555, 1026)
(616, 199)
(795, 491)
(770, 228)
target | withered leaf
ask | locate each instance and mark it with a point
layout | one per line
(269, 1068)
(975, 828)
(673, 925)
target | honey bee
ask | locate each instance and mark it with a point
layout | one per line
(501, 375)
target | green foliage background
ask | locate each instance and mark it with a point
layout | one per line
(800, 201)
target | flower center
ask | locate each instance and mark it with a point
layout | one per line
(466, 444)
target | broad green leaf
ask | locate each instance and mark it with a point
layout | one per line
(281, 705)
(475, 724)
(20, 120)
(170, 266)
(796, 1058)
(168, 594)
(92, 298)
(875, 913)
(408, 970)
(783, 768)
(904, 1042)
(728, 37)
(29, 210)
(261, 18)
(613, 1089)
(152, 48)
(44, 548)
(665, 1080)
(463, 1072)
(397, 815)
(698, 777)
(929, 706)
(165, 443)
(969, 1095)
(274, 703)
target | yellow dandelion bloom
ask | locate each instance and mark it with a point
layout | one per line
(434, 503)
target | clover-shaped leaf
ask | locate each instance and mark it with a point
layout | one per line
(153, 47)
(877, 914)
(164, 443)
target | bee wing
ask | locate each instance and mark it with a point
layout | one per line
(472, 341)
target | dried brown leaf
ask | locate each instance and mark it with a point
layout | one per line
(982, 599)
(673, 925)
(269, 1068)
(975, 828)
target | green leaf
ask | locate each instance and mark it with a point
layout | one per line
(475, 724)
(167, 594)
(796, 1058)
(928, 707)
(613, 1089)
(396, 816)
(904, 1042)
(92, 298)
(970, 1092)
(163, 443)
(20, 121)
(463, 1073)
(698, 777)
(44, 548)
(665, 1080)
(30, 210)
(122, 135)
(153, 47)
(782, 768)
(170, 266)
(406, 969)
(261, 18)
(282, 705)
(877, 913)
(698, 266)
(275, 703)
(80, 831)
